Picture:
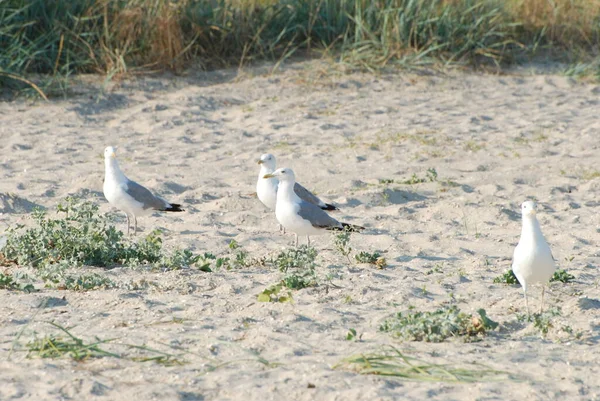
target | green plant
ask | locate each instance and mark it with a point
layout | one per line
(341, 241)
(438, 325)
(81, 237)
(275, 293)
(67, 344)
(563, 276)
(352, 336)
(508, 277)
(8, 282)
(390, 361)
(299, 266)
(57, 346)
(374, 258)
(87, 281)
(543, 321)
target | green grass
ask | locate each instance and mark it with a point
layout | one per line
(66, 344)
(439, 325)
(63, 37)
(392, 362)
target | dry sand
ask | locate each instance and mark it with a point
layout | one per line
(493, 140)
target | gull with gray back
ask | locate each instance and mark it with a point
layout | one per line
(129, 196)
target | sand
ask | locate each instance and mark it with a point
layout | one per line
(494, 141)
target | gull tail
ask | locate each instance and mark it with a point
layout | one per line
(348, 227)
(329, 206)
(174, 207)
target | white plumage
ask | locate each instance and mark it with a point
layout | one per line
(129, 196)
(266, 188)
(532, 260)
(299, 216)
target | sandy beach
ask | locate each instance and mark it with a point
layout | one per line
(354, 139)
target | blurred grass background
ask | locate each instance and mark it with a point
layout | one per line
(59, 38)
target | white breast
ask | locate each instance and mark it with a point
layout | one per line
(266, 190)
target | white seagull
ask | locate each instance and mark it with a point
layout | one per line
(532, 259)
(266, 188)
(129, 196)
(298, 215)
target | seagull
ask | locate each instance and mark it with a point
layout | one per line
(266, 188)
(129, 196)
(299, 216)
(532, 259)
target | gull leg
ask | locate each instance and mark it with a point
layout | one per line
(542, 306)
(127, 224)
(526, 302)
(134, 225)
(308, 240)
(296, 239)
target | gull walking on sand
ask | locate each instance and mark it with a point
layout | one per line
(266, 188)
(298, 215)
(532, 260)
(129, 196)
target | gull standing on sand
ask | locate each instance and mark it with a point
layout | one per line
(532, 259)
(129, 196)
(299, 216)
(266, 188)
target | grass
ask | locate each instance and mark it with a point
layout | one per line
(66, 344)
(64, 37)
(392, 362)
(439, 325)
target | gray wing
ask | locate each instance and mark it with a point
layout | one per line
(144, 196)
(316, 216)
(307, 196)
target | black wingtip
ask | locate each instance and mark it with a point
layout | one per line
(348, 227)
(175, 207)
(329, 206)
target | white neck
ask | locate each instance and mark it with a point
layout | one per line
(112, 170)
(286, 192)
(531, 230)
(264, 170)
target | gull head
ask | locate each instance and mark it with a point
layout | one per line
(110, 152)
(267, 160)
(528, 208)
(283, 174)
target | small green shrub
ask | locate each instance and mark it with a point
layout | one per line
(299, 266)
(374, 258)
(8, 282)
(563, 276)
(275, 293)
(507, 278)
(81, 237)
(342, 243)
(438, 325)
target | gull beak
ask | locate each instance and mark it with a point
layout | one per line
(259, 161)
(113, 155)
(268, 176)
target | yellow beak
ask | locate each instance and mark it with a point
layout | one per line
(259, 161)
(268, 176)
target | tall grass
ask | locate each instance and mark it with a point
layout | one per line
(112, 37)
